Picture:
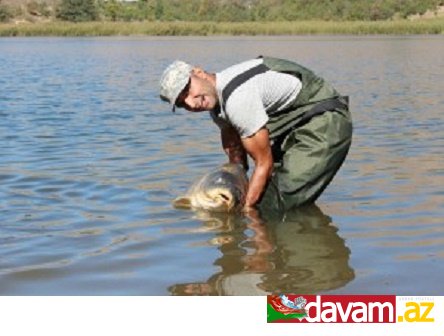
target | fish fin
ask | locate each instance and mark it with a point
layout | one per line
(182, 202)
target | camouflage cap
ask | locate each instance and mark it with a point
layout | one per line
(173, 81)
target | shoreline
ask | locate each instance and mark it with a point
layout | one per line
(433, 26)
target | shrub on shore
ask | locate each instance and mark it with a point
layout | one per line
(77, 10)
(5, 13)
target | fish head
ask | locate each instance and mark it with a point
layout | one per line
(223, 190)
(220, 193)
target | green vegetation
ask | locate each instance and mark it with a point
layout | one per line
(430, 26)
(224, 10)
(272, 10)
(217, 17)
(77, 10)
(118, 11)
(5, 13)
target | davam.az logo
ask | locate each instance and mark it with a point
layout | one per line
(347, 309)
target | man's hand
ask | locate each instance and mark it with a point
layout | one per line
(258, 147)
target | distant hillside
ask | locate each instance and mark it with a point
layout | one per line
(222, 10)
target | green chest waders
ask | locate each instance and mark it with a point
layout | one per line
(310, 139)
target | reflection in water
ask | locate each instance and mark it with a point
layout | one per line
(299, 252)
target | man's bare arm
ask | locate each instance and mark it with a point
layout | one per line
(258, 147)
(233, 147)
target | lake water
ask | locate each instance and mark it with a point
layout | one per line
(90, 160)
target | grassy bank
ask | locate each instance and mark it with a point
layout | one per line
(426, 26)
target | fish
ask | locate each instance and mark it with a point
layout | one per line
(223, 189)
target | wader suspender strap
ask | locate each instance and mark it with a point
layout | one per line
(321, 107)
(240, 79)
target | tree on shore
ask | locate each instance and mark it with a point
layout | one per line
(159, 10)
(77, 10)
(5, 13)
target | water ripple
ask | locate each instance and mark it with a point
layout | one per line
(90, 160)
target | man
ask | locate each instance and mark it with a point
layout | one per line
(293, 124)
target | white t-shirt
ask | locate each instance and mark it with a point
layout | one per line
(250, 105)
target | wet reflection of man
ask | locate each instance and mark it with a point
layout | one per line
(299, 252)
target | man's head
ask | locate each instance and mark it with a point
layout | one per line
(189, 87)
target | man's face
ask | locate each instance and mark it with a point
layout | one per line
(199, 95)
